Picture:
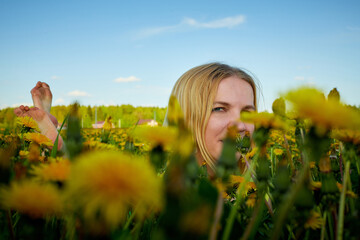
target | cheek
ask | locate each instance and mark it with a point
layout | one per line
(250, 128)
(215, 128)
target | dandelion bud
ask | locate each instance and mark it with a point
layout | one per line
(279, 107)
(334, 95)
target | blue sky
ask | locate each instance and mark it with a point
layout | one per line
(132, 52)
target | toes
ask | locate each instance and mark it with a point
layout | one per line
(18, 112)
(38, 85)
(45, 85)
(26, 108)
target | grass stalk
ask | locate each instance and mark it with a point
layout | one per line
(129, 220)
(218, 213)
(340, 223)
(323, 227)
(289, 201)
(10, 225)
(239, 197)
(55, 148)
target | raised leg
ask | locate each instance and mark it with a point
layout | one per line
(42, 98)
(41, 117)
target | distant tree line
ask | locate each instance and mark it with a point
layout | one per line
(125, 115)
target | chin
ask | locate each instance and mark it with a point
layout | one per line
(238, 155)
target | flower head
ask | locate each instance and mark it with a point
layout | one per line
(263, 119)
(105, 185)
(314, 221)
(164, 136)
(31, 198)
(55, 170)
(38, 138)
(310, 103)
(278, 151)
(27, 121)
(350, 136)
(94, 145)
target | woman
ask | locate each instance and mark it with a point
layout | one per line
(212, 96)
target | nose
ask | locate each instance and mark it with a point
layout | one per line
(241, 127)
(235, 121)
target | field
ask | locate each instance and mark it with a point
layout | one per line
(297, 177)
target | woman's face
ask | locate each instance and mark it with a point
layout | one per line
(233, 96)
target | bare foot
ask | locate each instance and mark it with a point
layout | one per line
(42, 98)
(41, 117)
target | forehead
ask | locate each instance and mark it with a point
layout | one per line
(234, 90)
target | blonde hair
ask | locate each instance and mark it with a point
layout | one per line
(196, 90)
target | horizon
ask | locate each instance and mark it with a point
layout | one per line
(115, 53)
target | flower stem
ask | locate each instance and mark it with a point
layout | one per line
(218, 213)
(340, 225)
(250, 227)
(239, 197)
(289, 201)
(11, 229)
(129, 220)
(323, 227)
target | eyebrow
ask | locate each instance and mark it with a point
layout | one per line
(222, 103)
(247, 107)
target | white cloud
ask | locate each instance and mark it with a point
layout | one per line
(305, 80)
(127, 79)
(24, 103)
(228, 22)
(353, 28)
(55, 77)
(299, 78)
(190, 23)
(59, 101)
(78, 93)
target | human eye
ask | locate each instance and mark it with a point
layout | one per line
(218, 109)
(249, 109)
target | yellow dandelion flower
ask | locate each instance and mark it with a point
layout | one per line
(34, 153)
(105, 185)
(350, 136)
(94, 145)
(312, 164)
(28, 122)
(251, 200)
(164, 136)
(348, 193)
(23, 154)
(263, 119)
(314, 221)
(251, 153)
(55, 170)
(314, 185)
(38, 138)
(278, 151)
(31, 198)
(311, 103)
(236, 180)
